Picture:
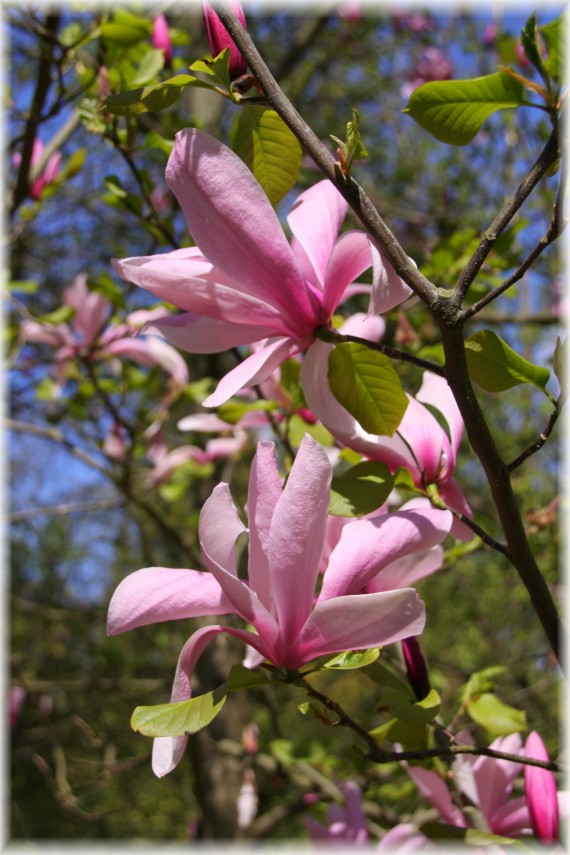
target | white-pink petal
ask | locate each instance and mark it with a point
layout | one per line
(264, 492)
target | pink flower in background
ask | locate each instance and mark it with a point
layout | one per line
(16, 698)
(345, 822)
(243, 283)
(419, 444)
(487, 783)
(160, 38)
(432, 65)
(49, 172)
(541, 793)
(220, 39)
(84, 336)
(287, 527)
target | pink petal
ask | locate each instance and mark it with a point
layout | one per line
(197, 334)
(388, 290)
(494, 778)
(406, 571)
(349, 258)
(512, 819)
(219, 529)
(186, 280)
(263, 494)
(368, 545)
(405, 838)
(152, 351)
(54, 335)
(315, 220)
(297, 537)
(91, 308)
(156, 594)
(358, 622)
(427, 441)
(453, 496)
(168, 750)
(541, 794)
(434, 789)
(235, 227)
(436, 392)
(253, 370)
(370, 327)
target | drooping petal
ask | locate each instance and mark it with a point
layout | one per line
(168, 750)
(337, 420)
(219, 528)
(192, 284)
(434, 789)
(233, 223)
(156, 594)
(263, 494)
(367, 546)
(358, 622)
(297, 536)
(541, 794)
(494, 778)
(426, 440)
(315, 220)
(151, 351)
(253, 370)
(91, 308)
(197, 334)
(349, 258)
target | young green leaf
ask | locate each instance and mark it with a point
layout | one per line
(367, 385)
(353, 659)
(269, 148)
(497, 718)
(529, 41)
(454, 110)
(553, 35)
(179, 719)
(361, 489)
(495, 366)
(152, 98)
(217, 68)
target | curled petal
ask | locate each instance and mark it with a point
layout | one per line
(387, 288)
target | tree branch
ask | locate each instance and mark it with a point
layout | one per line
(542, 439)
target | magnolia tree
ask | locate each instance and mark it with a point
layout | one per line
(351, 391)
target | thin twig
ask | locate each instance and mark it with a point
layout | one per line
(542, 439)
(545, 160)
(339, 338)
(65, 509)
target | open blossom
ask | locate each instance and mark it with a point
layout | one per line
(243, 283)
(487, 783)
(49, 172)
(85, 336)
(220, 39)
(292, 624)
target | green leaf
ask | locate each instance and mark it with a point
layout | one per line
(382, 676)
(361, 489)
(353, 659)
(409, 721)
(126, 29)
(218, 68)
(367, 385)
(61, 315)
(553, 35)
(483, 681)
(269, 148)
(530, 44)
(353, 149)
(152, 98)
(497, 718)
(454, 110)
(495, 366)
(233, 410)
(244, 678)
(179, 719)
(149, 68)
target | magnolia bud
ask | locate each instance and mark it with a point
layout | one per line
(416, 667)
(219, 38)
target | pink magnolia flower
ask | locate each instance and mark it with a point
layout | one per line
(432, 65)
(487, 782)
(541, 793)
(84, 336)
(243, 283)
(49, 172)
(345, 822)
(160, 37)
(405, 838)
(287, 528)
(219, 38)
(419, 444)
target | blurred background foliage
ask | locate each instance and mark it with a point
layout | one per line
(81, 520)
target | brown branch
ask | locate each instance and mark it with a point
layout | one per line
(65, 509)
(542, 439)
(339, 338)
